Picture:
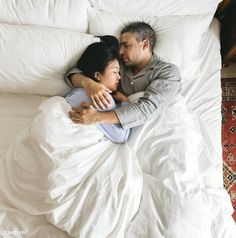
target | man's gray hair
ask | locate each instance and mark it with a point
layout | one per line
(142, 31)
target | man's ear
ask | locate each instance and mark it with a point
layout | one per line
(145, 44)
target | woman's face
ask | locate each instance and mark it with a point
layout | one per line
(111, 75)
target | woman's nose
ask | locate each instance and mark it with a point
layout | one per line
(118, 76)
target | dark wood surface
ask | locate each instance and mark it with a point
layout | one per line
(226, 13)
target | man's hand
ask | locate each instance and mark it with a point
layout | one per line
(99, 94)
(88, 115)
(85, 115)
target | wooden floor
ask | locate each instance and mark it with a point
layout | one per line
(229, 72)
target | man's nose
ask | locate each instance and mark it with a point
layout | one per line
(121, 51)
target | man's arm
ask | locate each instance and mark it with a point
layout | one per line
(157, 96)
(96, 91)
(88, 115)
(80, 81)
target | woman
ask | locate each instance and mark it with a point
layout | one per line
(100, 63)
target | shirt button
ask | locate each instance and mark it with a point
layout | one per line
(132, 83)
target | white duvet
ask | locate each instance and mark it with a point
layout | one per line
(159, 184)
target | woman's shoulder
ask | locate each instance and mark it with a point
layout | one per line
(76, 96)
(77, 91)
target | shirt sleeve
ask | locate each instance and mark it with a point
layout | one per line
(114, 132)
(68, 75)
(158, 95)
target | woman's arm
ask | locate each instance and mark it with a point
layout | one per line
(115, 132)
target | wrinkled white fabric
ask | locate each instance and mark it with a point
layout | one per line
(90, 187)
(36, 62)
(156, 7)
(70, 14)
(182, 193)
(84, 183)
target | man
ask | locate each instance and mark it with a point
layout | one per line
(141, 70)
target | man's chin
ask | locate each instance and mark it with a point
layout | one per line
(127, 63)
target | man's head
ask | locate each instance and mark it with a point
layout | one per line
(137, 43)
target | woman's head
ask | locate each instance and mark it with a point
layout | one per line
(100, 62)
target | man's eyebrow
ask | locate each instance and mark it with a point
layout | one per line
(124, 42)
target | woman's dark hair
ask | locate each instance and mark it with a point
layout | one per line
(98, 55)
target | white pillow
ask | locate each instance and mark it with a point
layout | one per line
(69, 14)
(34, 59)
(178, 37)
(156, 7)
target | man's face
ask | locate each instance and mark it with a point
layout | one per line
(131, 51)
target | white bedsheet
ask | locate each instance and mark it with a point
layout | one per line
(92, 188)
(16, 112)
(179, 199)
(73, 174)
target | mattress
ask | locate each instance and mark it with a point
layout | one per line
(17, 111)
(203, 96)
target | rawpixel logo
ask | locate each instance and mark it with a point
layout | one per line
(12, 233)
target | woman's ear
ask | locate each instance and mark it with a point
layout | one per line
(97, 76)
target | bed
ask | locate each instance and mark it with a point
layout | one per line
(171, 167)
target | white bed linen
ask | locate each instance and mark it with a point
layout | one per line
(31, 65)
(178, 37)
(70, 14)
(16, 112)
(156, 7)
(83, 182)
(200, 215)
(203, 94)
(72, 179)
(15, 223)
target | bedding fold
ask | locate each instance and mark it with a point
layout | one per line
(162, 179)
(72, 174)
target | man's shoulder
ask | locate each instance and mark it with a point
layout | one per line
(164, 69)
(157, 62)
(159, 65)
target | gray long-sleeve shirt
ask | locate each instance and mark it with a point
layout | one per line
(160, 82)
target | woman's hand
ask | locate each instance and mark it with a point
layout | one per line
(120, 97)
